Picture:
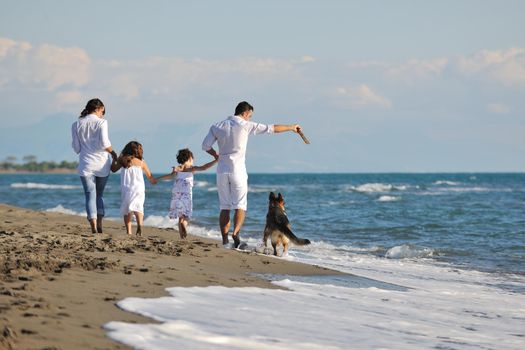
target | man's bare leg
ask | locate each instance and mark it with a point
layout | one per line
(238, 221)
(224, 223)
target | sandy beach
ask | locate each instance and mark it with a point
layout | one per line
(59, 283)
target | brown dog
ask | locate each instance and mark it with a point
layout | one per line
(278, 226)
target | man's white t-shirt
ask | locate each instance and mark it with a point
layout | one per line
(90, 140)
(232, 135)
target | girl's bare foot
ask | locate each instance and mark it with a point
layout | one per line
(139, 231)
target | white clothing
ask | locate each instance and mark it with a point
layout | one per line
(233, 191)
(231, 135)
(181, 196)
(132, 190)
(181, 205)
(90, 139)
(183, 182)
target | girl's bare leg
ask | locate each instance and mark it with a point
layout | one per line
(127, 222)
(183, 227)
(140, 219)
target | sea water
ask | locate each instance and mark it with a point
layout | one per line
(436, 261)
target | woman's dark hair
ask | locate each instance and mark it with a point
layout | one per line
(92, 106)
(132, 150)
(184, 155)
(243, 107)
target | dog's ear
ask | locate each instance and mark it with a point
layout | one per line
(272, 196)
(280, 197)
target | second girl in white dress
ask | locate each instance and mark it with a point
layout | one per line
(181, 205)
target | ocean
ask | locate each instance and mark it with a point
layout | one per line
(436, 261)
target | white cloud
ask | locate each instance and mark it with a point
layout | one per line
(418, 68)
(408, 71)
(45, 66)
(504, 66)
(361, 96)
(498, 108)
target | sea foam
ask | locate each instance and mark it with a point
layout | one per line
(376, 187)
(388, 199)
(60, 209)
(409, 251)
(41, 186)
(366, 315)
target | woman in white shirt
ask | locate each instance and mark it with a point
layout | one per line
(91, 143)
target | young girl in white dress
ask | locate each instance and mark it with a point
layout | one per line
(181, 206)
(133, 191)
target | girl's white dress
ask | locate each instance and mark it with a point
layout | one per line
(181, 196)
(132, 189)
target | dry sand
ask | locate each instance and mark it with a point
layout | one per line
(59, 283)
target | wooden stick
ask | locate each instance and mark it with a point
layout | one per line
(304, 137)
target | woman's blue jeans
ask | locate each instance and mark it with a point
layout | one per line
(94, 192)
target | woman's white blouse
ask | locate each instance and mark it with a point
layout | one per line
(90, 139)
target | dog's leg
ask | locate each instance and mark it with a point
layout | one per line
(266, 234)
(274, 245)
(285, 248)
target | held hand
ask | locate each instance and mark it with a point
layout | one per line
(153, 181)
(297, 128)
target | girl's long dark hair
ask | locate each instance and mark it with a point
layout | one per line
(91, 107)
(132, 150)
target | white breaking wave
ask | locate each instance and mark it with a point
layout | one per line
(40, 186)
(388, 199)
(160, 221)
(446, 182)
(60, 209)
(201, 183)
(261, 189)
(377, 187)
(408, 251)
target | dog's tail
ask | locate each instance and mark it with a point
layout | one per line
(297, 241)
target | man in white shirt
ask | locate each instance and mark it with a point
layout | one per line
(231, 135)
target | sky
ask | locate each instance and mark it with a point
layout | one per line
(378, 86)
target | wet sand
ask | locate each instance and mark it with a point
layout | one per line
(59, 283)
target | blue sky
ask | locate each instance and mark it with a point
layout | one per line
(379, 86)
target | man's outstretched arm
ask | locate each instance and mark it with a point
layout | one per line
(282, 128)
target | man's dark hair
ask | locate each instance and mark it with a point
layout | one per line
(243, 107)
(184, 155)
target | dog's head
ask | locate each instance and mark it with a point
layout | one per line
(276, 201)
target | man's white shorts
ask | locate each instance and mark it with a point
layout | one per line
(233, 191)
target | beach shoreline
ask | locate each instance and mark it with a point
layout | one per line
(60, 284)
(54, 171)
